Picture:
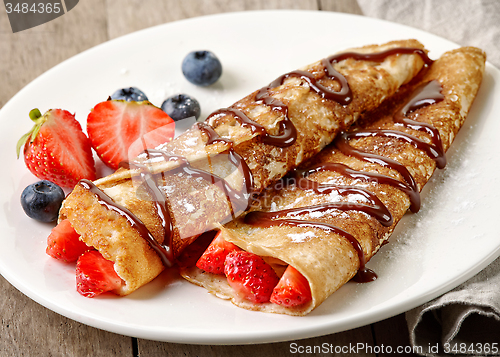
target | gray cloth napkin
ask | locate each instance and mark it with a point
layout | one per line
(466, 320)
(466, 22)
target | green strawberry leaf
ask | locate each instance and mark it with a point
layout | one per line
(36, 117)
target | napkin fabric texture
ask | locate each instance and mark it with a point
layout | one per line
(466, 22)
(466, 320)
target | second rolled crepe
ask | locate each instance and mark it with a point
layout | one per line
(361, 186)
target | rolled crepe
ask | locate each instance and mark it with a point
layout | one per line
(330, 218)
(264, 135)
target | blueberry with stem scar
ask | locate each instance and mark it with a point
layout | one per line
(42, 200)
(130, 94)
(181, 106)
(202, 68)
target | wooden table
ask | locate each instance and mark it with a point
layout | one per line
(28, 329)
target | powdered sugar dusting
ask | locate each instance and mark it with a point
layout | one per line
(188, 206)
(301, 237)
(191, 141)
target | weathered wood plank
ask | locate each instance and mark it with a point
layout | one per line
(27, 54)
(393, 332)
(318, 346)
(347, 6)
(26, 328)
(126, 16)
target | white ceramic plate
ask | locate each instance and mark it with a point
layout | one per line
(447, 242)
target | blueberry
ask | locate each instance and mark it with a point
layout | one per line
(201, 68)
(129, 94)
(181, 106)
(42, 200)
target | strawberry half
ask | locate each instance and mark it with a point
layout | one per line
(56, 149)
(95, 275)
(250, 276)
(64, 243)
(120, 130)
(292, 290)
(212, 260)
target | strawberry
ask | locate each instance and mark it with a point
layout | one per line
(292, 290)
(56, 149)
(120, 130)
(250, 276)
(212, 260)
(95, 275)
(64, 243)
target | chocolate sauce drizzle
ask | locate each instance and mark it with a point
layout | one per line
(237, 199)
(345, 170)
(286, 137)
(160, 202)
(267, 219)
(377, 209)
(234, 157)
(164, 252)
(426, 94)
(287, 130)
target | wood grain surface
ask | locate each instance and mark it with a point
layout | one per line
(28, 329)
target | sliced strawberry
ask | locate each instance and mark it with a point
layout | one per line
(292, 290)
(250, 276)
(64, 243)
(120, 130)
(56, 149)
(212, 260)
(95, 275)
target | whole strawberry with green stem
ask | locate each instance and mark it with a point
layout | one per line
(56, 148)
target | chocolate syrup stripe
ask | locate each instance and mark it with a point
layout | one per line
(233, 196)
(377, 209)
(426, 94)
(266, 219)
(370, 177)
(343, 145)
(160, 202)
(377, 212)
(434, 152)
(287, 130)
(234, 157)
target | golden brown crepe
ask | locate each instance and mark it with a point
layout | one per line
(197, 205)
(328, 260)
